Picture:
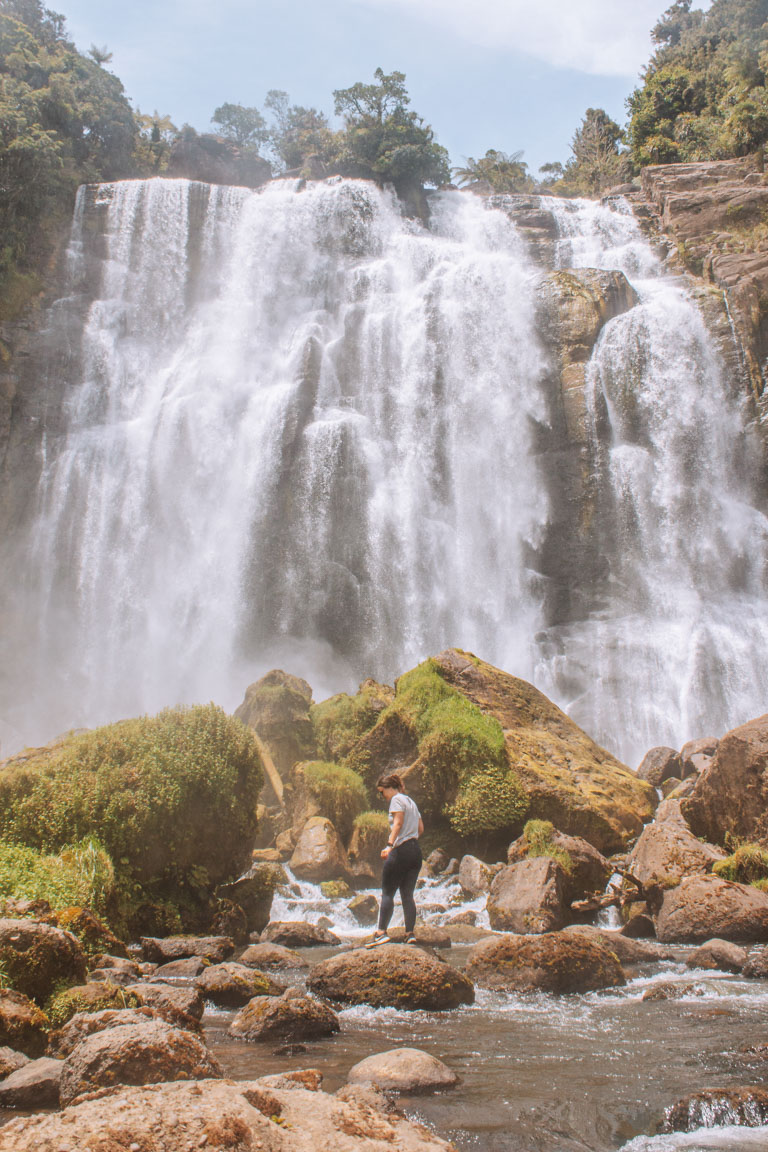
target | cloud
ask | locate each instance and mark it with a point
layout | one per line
(601, 37)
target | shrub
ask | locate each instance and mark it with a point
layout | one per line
(80, 874)
(747, 865)
(340, 721)
(172, 799)
(339, 792)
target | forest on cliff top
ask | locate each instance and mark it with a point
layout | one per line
(65, 120)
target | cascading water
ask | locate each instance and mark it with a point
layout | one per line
(300, 429)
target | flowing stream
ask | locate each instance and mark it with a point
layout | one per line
(290, 427)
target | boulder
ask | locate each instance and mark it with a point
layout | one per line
(65, 1040)
(116, 966)
(756, 966)
(182, 1007)
(319, 853)
(718, 954)
(231, 985)
(474, 876)
(291, 1017)
(403, 1070)
(436, 862)
(660, 764)
(22, 1024)
(555, 962)
(640, 926)
(365, 909)
(297, 934)
(94, 935)
(391, 975)
(528, 897)
(671, 991)
(587, 870)
(94, 996)
(730, 797)
(704, 907)
(272, 956)
(697, 755)
(277, 708)
(625, 949)
(36, 957)
(253, 892)
(718, 1108)
(427, 936)
(232, 1115)
(667, 850)
(10, 1061)
(113, 976)
(149, 1053)
(211, 948)
(34, 1086)
(178, 970)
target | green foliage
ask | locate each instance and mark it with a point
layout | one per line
(383, 139)
(339, 791)
(491, 799)
(80, 874)
(496, 172)
(539, 837)
(703, 95)
(245, 127)
(747, 865)
(167, 796)
(371, 824)
(340, 721)
(301, 139)
(66, 1002)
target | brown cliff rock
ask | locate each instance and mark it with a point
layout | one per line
(730, 797)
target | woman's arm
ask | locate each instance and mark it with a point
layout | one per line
(394, 832)
(421, 826)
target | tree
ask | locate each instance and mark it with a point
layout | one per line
(300, 138)
(101, 55)
(156, 137)
(245, 127)
(383, 139)
(596, 161)
(495, 172)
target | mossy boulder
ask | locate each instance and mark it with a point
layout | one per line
(94, 936)
(23, 1025)
(586, 870)
(172, 799)
(369, 835)
(483, 750)
(36, 957)
(391, 975)
(340, 721)
(277, 708)
(254, 891)
(557, 962)
(93, 997)
(322, 788)
(291, 1016)
(232, 985)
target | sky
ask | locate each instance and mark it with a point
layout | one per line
(506, 74)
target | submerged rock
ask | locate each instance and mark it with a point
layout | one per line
(36, 957)
(555, 962)
(704, 907)
(718, 1108)
(291, 1016)
(149, 1053)
(403, 1070)
(718, 954)
(528, 897)
(240, 1115)
(396, 975)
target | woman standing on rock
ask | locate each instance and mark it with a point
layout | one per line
(401, 856)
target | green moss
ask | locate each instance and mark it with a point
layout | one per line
(172, 799)
(336, 890)
(340, 721)
(539, 836)
(340, 793)
(80, 874)
(748, 864)
(66, 1002)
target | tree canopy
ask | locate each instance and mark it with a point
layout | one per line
(495, 172)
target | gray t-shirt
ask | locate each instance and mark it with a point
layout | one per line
(410, 826)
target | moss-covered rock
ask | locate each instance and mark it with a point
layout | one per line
(277, 708)
(172, 799)
(340, 721)
(747, 865)
(335, 889)
(556, 962)
(23, 1025)
(94, 936)
(254, 891)
(321, 788)
(94, 997)
(369, 835)
(392, 975)
(35, 957)
(483, 749)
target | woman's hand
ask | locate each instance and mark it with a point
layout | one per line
(386, 851)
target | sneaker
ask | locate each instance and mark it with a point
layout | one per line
(379, 938)
(411, 939)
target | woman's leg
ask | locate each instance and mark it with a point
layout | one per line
(407, 885)
(390, 881)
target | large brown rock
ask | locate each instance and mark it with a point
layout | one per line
(231, 985)
(625, 949)
(588, 870)
(660, 764)
(667, 850)
(704, 907)
(528, 897)
(555, 962)
(297, 934)
(36, 957)
(277, 707)
(232, 1116)
(150, 1053)
(319, 853)
(391, 975)
(403, 1070)
(730, 797)
(272, 956)
(180, 1006)
(161, 950)
(35, 1086)
(291, 1016)
(474, 876)
(22, 1024)
(720, 955)
(253, 892)
(11, 1061)
(64, 1040)
(718, 1108)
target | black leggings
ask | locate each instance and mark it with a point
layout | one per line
(401, 870)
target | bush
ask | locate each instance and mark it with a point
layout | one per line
(339, 792)
(747, 865)
(80, 874)
(340, 721)
(172, 799)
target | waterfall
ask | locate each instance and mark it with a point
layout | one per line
(291, 427)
